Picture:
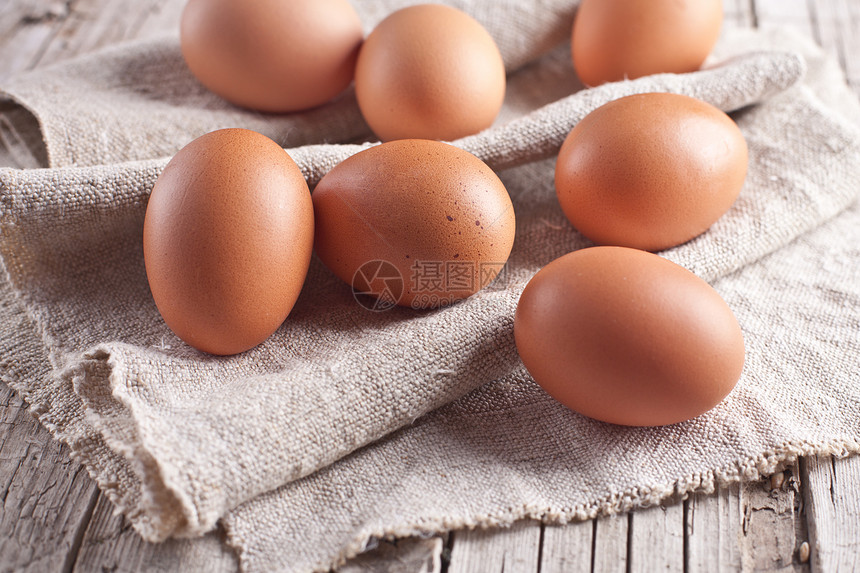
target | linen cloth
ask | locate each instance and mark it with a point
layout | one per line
(347, 424)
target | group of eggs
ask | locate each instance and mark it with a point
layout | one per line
(613, 331)
(428, 71)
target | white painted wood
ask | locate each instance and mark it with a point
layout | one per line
(714, 531)
(610, 544)
(567, 548)
(832, 496)
(656, 538)
(505, 550)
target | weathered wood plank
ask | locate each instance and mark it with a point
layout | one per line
(162, 17)
(505, 550)
(795, 13)
(47, 498)
(656, 538)
(738, 13)
(567, 548)
(714, 531)
(833, 512)
(410, 555)
(110, 544)
(91, 24)
(837, 28)
(40, 32)
(26, 28)
(825, 27)
(774, 524)
(610, 544)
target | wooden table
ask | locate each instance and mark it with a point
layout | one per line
(54, 518)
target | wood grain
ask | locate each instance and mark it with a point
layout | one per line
(774, 525)
(833, 511)
(835, 25)
(47, 499)
(26, 29)
(567, 548)
(91, 24)
(401, 556)
(738, 13)
(508, 550)
(714, 531)
(110, 544)
(794, 13)
(656, 538)
(610, 543)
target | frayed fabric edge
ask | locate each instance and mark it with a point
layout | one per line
(707, 482)
(162, 511)
(145, 507)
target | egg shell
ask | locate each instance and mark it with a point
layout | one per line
(271, 55)
(227, 240)
(650, 171)
(614, 40)
(429, 72)
(439, 215)
(627, 337)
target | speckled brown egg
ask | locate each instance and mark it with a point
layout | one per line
(430, 72)
(614, 40)
(628, 337)
(271, 55)
(227, 240)
(650, 171)
(435, 218)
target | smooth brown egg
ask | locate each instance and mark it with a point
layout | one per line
(650, 171)
(429, 72)
(418, 223)
(271, 55)
(614, 40)
(627, 337)
(227, 240)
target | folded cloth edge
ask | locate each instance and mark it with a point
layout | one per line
(749, 469)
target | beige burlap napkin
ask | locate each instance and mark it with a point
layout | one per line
(179, 439)
(125, 104)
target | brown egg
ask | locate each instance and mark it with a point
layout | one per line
(417, 223)
(272, 55)
(429, 72)
(227, 240)
(650, 171)
(627, 337)
(614, 40)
